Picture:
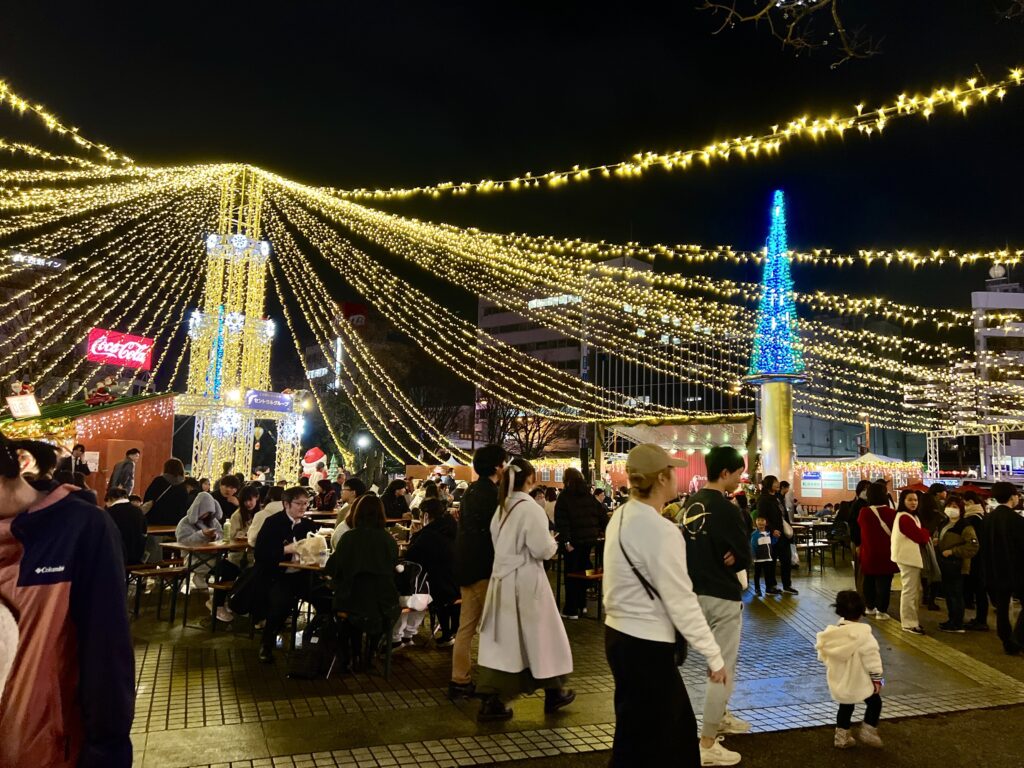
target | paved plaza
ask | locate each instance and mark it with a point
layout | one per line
(236, 712)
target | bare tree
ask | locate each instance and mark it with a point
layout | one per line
(1014, 10)
(530, 436)
(800, 25)
(498, 418)
(439, 408)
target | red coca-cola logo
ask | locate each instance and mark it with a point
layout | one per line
(120, 349)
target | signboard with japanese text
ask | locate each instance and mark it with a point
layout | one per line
(259, 400)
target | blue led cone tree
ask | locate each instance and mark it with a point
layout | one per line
(776, 347)
(777, 361)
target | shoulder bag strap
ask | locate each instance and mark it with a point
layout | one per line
(648, 587)
(881, 522)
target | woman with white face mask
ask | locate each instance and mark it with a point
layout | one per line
(958, 543)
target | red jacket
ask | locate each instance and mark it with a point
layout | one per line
(875, 548)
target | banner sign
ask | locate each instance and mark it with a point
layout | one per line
(38, 261)
(121, 349)
(23, 406)
(257, 399)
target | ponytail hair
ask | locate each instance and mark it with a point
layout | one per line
(514, 478)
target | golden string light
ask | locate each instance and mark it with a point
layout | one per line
(866, 121)
(21, 105)
(500, 294)
(383, 416)
(176, 247)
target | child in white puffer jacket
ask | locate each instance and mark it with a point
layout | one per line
(854, 668)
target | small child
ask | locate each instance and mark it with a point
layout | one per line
(854, 668)
(761, 551)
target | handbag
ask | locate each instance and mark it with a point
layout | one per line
(682, 648)
(420, 599)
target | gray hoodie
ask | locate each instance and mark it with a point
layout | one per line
(204, 514)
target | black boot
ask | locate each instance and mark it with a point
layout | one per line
(556, 698)
(491, 709)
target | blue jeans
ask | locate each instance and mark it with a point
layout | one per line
(953, 586)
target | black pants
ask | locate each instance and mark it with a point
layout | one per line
(953, 586)
(871, 716)
(282, 597)
(974, 588)
(767, 570)
(577, 561)
(1012, 635)
(448, 619)
(783, 554)
(654, 721)
(877, 591)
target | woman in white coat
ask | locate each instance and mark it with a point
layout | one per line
(523, 645)
(907, 551)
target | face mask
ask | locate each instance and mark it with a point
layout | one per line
(952, 513)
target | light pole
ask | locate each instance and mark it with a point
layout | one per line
(866, 417)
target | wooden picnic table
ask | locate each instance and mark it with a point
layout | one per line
(314, 567)
(213, 550)
(161, 530)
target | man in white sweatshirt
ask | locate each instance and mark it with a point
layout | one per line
(649, 602)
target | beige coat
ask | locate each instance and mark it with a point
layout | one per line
(521, 627)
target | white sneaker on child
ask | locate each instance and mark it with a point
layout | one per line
(843, 739)
(718, 755)
(868, 734)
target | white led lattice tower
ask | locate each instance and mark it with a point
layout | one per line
(230, 342)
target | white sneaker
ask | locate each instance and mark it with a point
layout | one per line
(881, 616)
(718, 755)
(199, 582)
(224, 614)
(867, 734)
(843, 739)
(732, 724)
(871, 612)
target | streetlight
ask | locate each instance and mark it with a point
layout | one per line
(866, 417)
(363, 442)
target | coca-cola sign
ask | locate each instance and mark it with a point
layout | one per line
(120, 349)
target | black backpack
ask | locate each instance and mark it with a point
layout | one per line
(319, 643)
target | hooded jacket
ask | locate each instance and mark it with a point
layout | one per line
(191, 526)
(433, 547)
(70, 696)
(852, 660)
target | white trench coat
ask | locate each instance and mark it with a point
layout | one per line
(521, 627)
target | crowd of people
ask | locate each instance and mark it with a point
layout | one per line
(474, 557)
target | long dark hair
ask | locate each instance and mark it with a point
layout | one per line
(514, 480)
(45, 456)
(249, 492)
(902, 506)
(394, 487)
(574, 483)
(767, 482)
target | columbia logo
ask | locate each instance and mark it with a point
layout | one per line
(50, 569)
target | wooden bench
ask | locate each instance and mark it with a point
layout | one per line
(597, 579)
(224, 587)
(165, 575)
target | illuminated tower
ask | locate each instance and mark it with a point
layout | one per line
(777, 361)
(230, 339)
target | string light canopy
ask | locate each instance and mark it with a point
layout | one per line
(133, 237)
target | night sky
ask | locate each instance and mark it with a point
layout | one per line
(379, 94)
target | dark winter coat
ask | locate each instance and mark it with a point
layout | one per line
(579, 518)
(771, 508)
(362, 572)
(170, 500)
(131, 524)
(1002, 551)
(474, 550)
(433, 548)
